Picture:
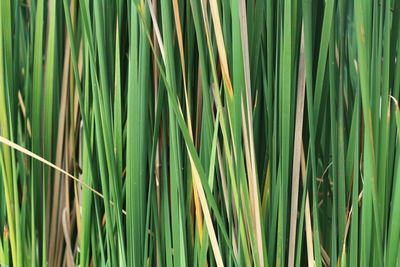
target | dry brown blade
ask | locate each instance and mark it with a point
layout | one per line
(347, 230)
(207, 217)
(56, 185)
(73, 221)
(395, 102)
(66, 230)
(76, 94)
(22, 105)
(221, 46)
(78, 213)
(297, 151)
(59, 255)
(246, 61)
(66, 204)
(253, 191)
(156, 29)
(325, 256)
(307, 215)
(76, 134)
(245, 49)
(71, 134)
(55, 220)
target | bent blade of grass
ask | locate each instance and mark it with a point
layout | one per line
(48, 163)
(221, 46)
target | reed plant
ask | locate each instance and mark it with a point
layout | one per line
(199, 133)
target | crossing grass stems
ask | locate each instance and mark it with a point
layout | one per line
(199, 133)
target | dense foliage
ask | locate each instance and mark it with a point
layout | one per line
(199, 133)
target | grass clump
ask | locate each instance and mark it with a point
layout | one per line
(199, 133)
